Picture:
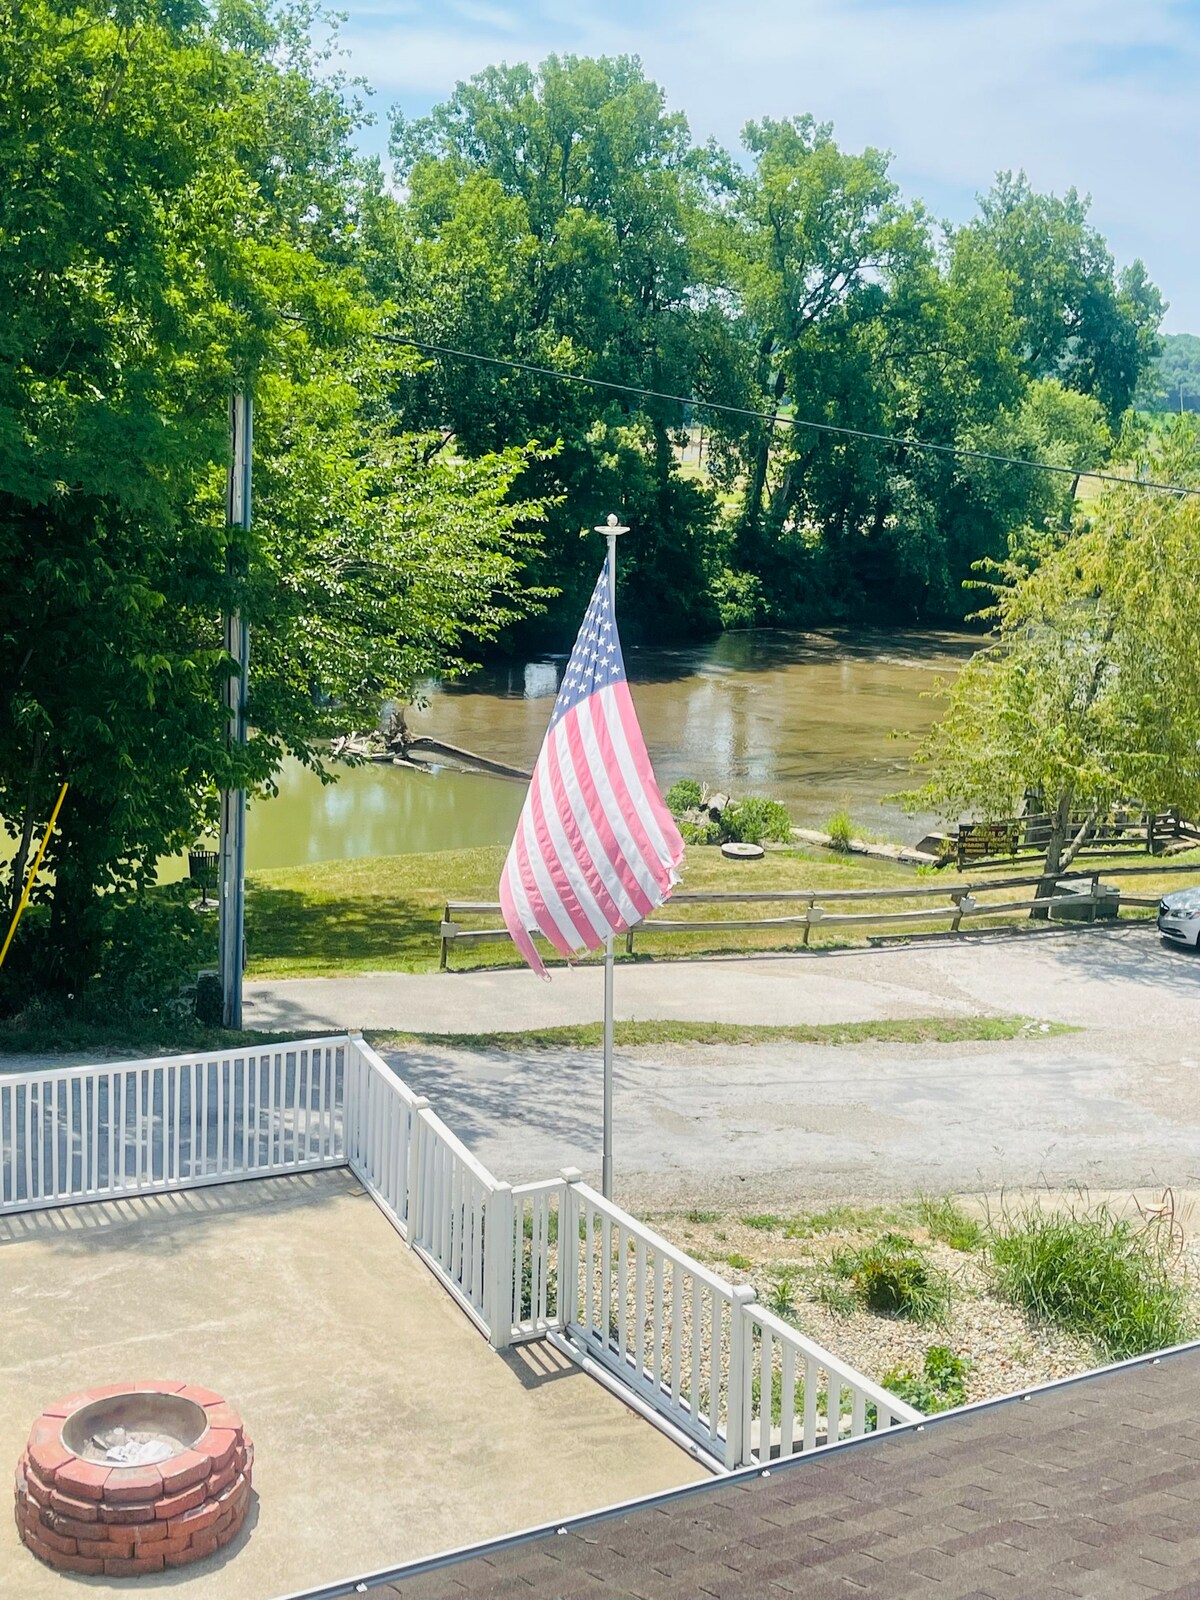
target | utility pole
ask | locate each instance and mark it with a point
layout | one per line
(233, 801)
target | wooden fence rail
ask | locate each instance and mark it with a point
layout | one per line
(978, 844)
(958, 902)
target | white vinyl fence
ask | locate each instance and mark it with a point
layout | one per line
(550, 1259)
(696, 1350)
(136, 1127)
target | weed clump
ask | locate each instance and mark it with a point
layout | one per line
(894, 1277)
(946, 1221)
(939, 1385)
(682, 796)
(1094, 1274)
(756, 820)
(781, 1298)
(840, 829)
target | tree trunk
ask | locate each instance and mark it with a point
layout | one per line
(1060, 822)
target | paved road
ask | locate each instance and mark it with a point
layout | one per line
(1116, 1105)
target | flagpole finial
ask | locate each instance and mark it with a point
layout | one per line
(611, 527)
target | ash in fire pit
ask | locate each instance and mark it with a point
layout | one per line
(133, 1478)
(134, 1430)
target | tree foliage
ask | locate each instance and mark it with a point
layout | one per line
(179, 203)
(1089, 694)
(563, 216)
(1172, 382)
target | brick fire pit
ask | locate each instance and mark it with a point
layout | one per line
(132, 1478)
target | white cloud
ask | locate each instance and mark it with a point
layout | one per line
(1091, 93)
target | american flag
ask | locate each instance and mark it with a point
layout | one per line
(595, 849)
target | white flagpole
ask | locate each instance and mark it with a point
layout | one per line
(612, 531)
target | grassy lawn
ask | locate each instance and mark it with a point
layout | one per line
(382, 913)
(588, 1035)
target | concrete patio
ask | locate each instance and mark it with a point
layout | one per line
(385, 1427)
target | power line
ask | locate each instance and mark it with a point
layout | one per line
(777, 421)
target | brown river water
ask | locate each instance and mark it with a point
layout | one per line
(807, 718)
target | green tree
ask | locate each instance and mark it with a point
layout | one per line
(1172, 383)
(1081, 321)
(1089, 694)
(548, 218)
(178, 208)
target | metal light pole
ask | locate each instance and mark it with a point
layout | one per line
(612, 530)
(233, 801)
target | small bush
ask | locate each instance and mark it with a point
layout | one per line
(765, 1223)
(895, 1278)
(740, 1263)
(781, 1298)
(946, 1220)
(700, 832)
(739, 598)
(702, 1216)
(840, 830)
(1094, 1274)
(938, 1386)
(682, 796)
(151, 946)
(756, 820)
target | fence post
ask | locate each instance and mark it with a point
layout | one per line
(568, 1249)
(499, 1266)
(352, 1097)
(415, 1208)
(741, 1358)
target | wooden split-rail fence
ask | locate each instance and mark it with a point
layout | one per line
(1081, 896)
(979, 844)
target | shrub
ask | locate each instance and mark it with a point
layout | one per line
(946, 1220)
(840, 830)
(738, 1262)
(937, 1387)
(755, 820)
(894, 1277)
(700, 832)
(739, 598)
(682, 796)
(1094, 1274)
(151, 947)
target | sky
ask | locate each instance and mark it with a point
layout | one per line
(1096, 94)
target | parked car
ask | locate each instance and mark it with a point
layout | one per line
(1179, 916)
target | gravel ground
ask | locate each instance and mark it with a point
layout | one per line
(1005, 1351)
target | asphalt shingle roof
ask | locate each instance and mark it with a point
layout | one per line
(1090, 1489)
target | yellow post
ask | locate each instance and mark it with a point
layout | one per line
(33, 872)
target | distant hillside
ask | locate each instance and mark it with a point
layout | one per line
(1173, 382)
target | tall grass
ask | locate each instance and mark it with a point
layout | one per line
(840, 829)
(895, 1277)
(946, 1221)
(1095, 1274)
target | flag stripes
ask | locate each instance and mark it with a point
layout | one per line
(595, 849)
